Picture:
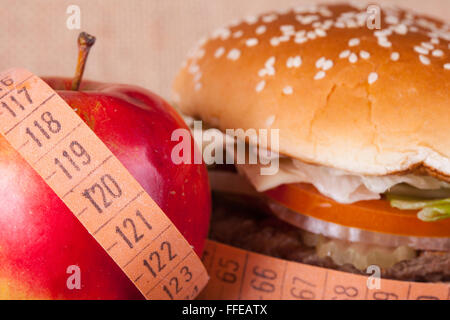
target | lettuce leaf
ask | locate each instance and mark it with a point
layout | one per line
(431, 210)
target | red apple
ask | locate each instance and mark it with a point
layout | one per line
(40, 238)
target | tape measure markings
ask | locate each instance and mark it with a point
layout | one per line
(71, 190)
(243, 274)
(181, 261)
(26, 97)
(98, 189)
(267, 277)
(57, 143)
(42, 104)
(118, 212)
(14, 86)
(153, 240)
(283, 280)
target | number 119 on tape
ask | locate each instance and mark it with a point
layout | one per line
(97, 188)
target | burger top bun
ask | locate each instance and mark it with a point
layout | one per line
(341, 92)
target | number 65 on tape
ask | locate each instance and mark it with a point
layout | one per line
(42, 127)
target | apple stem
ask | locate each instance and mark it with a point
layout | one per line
(85, 42)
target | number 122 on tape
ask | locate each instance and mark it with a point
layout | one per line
(97, 188)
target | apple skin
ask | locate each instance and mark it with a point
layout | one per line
(40, 238)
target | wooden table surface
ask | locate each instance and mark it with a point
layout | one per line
(139, 42)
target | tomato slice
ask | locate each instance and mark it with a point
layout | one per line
(371, 215)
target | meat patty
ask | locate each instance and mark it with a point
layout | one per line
(242, 223)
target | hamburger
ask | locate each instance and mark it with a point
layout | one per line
(358, 100)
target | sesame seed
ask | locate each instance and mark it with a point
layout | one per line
(197, 76)
(327, 65)
(320, 62)
(270, 62)
(284, 38)
(409, 15)
(351, 24)
(223, 33)
(395, 56)
(289, 63)
(234, 54)
(384, 42)
(320, 32)
(401, 29)
(260, 86)
(251, 42)
(269, 18)
(270, 120)
(200, 53)
(307, 19)
(284, 10)
(233, 23)
(251, 19)
(287, 28)
(386, 32)
(427, 45)
(373, 76)
(344, 54)
(434, 40)
(268, 68)
(262, 72)
(424, 60)
(420, 50)
(353, 42)
(219, 52)
(327, 24)
(364, 54)
(261, 29)
(294, 62)
(300, 34)
(319, 75)
(437, 53)
(391, 20)
(300, 40)
(238, 34)
(289, 32)
(274, 41)
(325, 12)
(288, 90)
(339, 25)
(447, 66)
(194, 68)
(353, 58)
(311, 35)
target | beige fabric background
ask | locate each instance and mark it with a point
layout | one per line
(139, 42)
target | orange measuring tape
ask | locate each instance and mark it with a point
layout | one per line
(238, 274)
(28, 102)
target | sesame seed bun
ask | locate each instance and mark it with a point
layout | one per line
(369, 101)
